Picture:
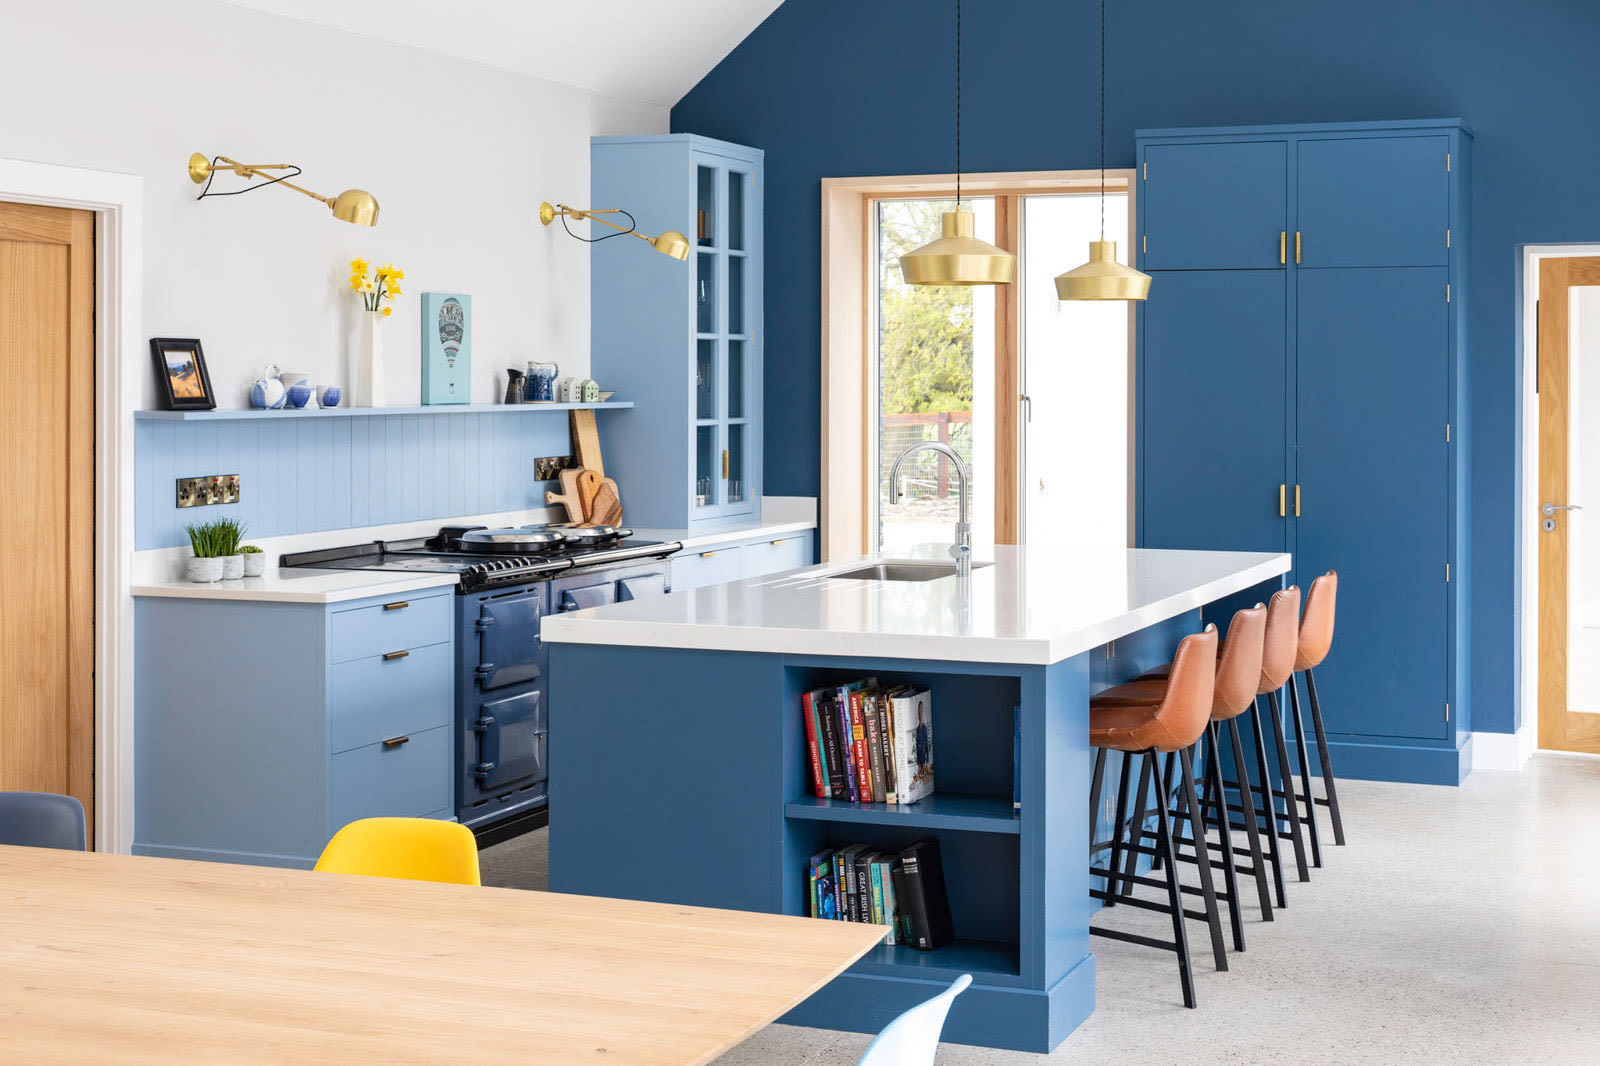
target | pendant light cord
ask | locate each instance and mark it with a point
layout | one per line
(958, 104)
(1102, 117)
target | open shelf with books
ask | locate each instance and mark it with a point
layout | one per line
(980, 814)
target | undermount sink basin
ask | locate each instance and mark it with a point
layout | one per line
(902, 571)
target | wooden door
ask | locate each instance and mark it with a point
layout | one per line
(1214, 426)
(1567, 721)
(1373, 473)
(1372, 201)
(1214, 206)
(47, 501)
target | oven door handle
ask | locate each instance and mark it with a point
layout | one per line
(488, 747)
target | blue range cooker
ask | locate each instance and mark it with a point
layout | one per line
(509, 580)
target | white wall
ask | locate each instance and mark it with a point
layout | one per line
(458, 155)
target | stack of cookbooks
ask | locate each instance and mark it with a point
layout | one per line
(870, 743)
(903, 890)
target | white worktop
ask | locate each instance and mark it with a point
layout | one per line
(780, 516)
(282, 585)
(1031, 605)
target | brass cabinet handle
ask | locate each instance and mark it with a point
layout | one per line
(707, 555)
(1297, 501)
(1297, 246)
(1283, 511)
(1283, 246)
(778, 542)
(724, 464)
(402, 605)
(394, 742)
(391, 656)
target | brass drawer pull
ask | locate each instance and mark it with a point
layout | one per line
(394, 742)
(402, 605)
(391, 656)
(1283, 240)
(779, 543)
(1282, 511)
(707, 555)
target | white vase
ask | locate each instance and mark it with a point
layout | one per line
(232, 567)
(255, 564)
(205, 570)
(368, 389)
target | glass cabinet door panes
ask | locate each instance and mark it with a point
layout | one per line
(707, 475)
(735, 463)
(705, 293)
(705, 380)
(735, 209)
(735, 379)
(735, 295)
(706, 215)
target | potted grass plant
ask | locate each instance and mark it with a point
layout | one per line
(255, 560)
(216, 550)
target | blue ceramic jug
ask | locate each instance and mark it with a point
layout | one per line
(541, 382)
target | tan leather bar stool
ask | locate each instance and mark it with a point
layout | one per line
(1316, 638)
(1238, 671)
(1171, 724)
(1277, 665)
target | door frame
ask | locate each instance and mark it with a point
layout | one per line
(117, 201)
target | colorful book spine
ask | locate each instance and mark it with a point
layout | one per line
(819, 780)
(833, 756)
(873, 710)
(913, 727)
(891, 909)
(858, 751)
(875, 879)
(891, 782)
(846, 752)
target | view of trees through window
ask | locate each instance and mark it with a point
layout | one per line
(934, 371)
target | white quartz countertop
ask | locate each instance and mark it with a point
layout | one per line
(1031, 605)
(283, 585)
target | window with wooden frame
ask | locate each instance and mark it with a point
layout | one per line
(1034, 393)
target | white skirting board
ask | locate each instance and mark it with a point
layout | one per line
(1502, 751)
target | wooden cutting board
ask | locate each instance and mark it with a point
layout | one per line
(589, 483)
(607, 510)
(586, 441)
(569, 495)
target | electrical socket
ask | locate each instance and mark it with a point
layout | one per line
(206, 491)
(549, 467)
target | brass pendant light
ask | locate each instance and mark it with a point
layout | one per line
(958, 257)
(1102, 277)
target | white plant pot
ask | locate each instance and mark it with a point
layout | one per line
(255, 564)
(204, 570)
(232, 567)
(368, 389)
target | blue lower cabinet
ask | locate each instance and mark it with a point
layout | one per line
(262, 728)
(775, 555)
(715, 564)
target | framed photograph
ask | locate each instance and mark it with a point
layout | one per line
(446, 348)
(181, 374)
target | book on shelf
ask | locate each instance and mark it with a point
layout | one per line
(867, 743)
(814, 744)
(913, 744)
(904, 891)
(847, 737)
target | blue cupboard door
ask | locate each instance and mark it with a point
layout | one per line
(1374, 478)
(1212, 414)
(1211, 206)
(1373, 201)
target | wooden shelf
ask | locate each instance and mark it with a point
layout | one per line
(986, 960)
(978, 814)
(247, 413)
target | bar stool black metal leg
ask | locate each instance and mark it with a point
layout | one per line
(1291, 806)
(1305, 772)
(1327, 761)
(1095, 782)
(1267, 811)
(1208, 892)
(1169, 774)
(1180, 935)
(1247, 809)
(1132, 865)
(1230, 867)
(1118, 827)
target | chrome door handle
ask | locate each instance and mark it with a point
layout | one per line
(1551, 508)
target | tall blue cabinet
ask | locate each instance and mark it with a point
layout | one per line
(684, 339)
(1302, 388)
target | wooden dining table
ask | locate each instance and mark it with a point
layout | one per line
(125, 959)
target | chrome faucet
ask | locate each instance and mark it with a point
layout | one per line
(961, 550)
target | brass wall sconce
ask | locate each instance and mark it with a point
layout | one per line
(353, 205)
(671, 242)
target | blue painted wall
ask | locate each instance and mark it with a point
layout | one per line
(831, 88)
(303, 473)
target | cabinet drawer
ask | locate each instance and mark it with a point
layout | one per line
(407, 780)
(692, 570)
(775, 555)
(394, 625)
(377, 698)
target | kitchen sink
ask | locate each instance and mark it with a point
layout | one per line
(902, 571)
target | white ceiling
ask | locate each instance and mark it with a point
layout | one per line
(649, 51)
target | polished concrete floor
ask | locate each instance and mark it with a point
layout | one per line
(1457, 926)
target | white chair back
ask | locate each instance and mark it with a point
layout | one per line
(912, 1038)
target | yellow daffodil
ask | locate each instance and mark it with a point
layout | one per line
(355, 282)
(358, 266)
(386, 311)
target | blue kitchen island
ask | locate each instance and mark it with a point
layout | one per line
(680, 772)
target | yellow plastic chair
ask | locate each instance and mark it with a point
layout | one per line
(415, 849)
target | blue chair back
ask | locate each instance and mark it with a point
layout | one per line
(42, 820)
(912, 1038)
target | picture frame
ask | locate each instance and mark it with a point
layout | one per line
(181, 375)
(446, 348)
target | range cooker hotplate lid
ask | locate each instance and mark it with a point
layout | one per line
(514, 540)
(590, 535)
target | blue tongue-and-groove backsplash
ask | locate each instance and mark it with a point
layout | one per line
(303, 472)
